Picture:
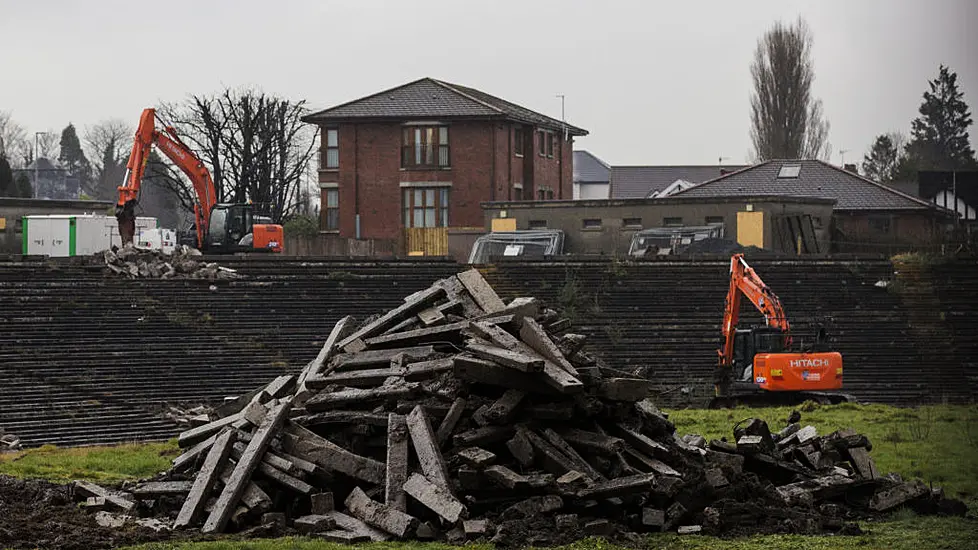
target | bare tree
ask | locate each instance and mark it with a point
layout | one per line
(255, 145)
(13, 140)
(48, 144)
(107, 145)
(786, 121)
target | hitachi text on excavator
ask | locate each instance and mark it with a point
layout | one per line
(756, 365)
(221, 228)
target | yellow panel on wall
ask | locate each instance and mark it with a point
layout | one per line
(750, 229)
(504, 224)
(3, 224)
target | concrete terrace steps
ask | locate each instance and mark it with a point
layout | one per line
(74, 331)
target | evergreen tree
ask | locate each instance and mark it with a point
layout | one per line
(939, 136)
(880, 163)
(23, 186)
(7, 188)
(72, 157)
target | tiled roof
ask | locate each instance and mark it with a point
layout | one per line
(636, 182)
(815, 179)
(590, 169)
(430, 98)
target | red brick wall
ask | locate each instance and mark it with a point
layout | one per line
(369, 153)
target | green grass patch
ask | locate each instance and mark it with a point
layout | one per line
(936, 443)
(913, 533)
(111, 464)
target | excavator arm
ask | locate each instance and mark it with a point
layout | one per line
(169, 143)
(745, 282)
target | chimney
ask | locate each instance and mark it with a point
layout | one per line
(850, 168)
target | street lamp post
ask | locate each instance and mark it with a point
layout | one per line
(37, 155)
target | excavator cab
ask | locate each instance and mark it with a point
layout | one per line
(233, 228)
(753, 341)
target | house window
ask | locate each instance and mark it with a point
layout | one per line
(425, 207)
(592, 223)
(545, 194)
(518, 141)
(543, 143)
(672, 222)
(425, 147)
(880, 224)
(551, 139)
(330, 158)
(714, 220)
(331, 210)
(538, 224)
(631, 222)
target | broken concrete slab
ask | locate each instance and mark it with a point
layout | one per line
(154, 488)
(329, 456)
(233, 490)
(889, 499)
(481, 291)
(476, 457)
(435, 498)
(357, 527)
(505, 357)
(313, 523)
(216, 458)
(397, 462)
(112, 498)
(427, 449)
(420, 301)
(380, 515)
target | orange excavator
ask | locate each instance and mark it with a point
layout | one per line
(221, 228)
(756, 365)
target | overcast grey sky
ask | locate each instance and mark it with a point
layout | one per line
(653, 82)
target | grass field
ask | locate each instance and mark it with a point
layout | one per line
(938, 444)
(97, 464)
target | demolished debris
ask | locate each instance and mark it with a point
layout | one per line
(490, 422)
(183, 263)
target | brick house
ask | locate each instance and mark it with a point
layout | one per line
(412, 163)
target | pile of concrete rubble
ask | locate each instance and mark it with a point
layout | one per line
(183, 263)
(456, 416)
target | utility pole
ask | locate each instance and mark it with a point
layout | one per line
(37, 156)
(843, 153)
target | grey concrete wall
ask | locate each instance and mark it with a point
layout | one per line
(607, 226)
(13, 209)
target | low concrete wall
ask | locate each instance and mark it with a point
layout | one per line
(333, 245)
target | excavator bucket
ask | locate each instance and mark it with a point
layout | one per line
(126, 216)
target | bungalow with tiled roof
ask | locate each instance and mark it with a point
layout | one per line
(867, 215)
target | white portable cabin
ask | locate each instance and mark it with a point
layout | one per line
(63, 235)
